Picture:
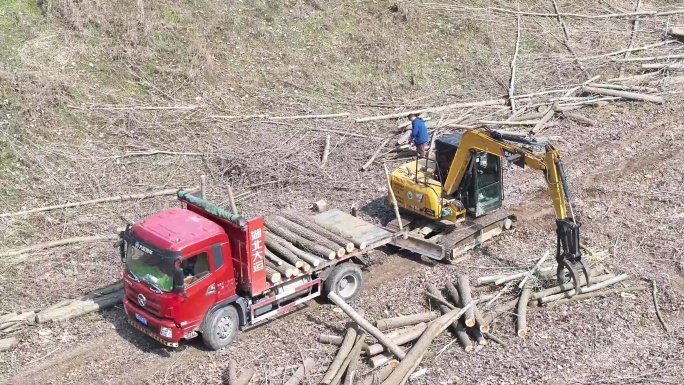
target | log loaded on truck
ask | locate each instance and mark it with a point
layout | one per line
(202, 270)
(199, 269)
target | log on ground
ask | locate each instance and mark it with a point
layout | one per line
(375, 378)
(408, 336)
(300, 374)
(232, 372)
(78, 308)
(245, 377)
(8, 343)
(457, 327)
(466, 299)
(570, 286)
(521, 324)
(594, 294)
(405, 320)
(372, 330)
(342, 353)
(348, 370)
(583, 290)
(624, 94)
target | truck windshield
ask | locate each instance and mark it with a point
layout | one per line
(153, 270)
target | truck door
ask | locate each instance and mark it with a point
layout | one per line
(200, 283)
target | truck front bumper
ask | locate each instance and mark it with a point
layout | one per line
(151, 325)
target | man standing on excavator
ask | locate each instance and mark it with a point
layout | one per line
(419, 134)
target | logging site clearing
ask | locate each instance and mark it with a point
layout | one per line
(111, 112)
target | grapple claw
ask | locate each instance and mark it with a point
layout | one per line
(572, 272)
(586, 271)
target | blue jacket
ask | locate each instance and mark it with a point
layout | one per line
(419, 133)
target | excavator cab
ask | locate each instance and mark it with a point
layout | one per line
(481, 190)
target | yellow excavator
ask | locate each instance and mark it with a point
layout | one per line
(455, 200)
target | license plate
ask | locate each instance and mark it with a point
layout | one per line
(140, 318)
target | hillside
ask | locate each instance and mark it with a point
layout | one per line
(88, 88)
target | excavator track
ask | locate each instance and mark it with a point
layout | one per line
(458, 238)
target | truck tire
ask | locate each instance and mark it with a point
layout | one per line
(221, 328)
(345, 280)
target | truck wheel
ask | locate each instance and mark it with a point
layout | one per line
(346, 280)
(221, 328)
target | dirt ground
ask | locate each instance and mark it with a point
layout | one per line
(75, 81)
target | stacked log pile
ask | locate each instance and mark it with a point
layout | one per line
(296, 243)
(395, 346)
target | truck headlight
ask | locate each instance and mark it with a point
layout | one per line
(165, 332)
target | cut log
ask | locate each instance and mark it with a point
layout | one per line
(320, 206)
(331, 340)
(375, 378)
(521, 324)
(8, 343)
(548, 114)
(409, 363)
(326, 150)
(232, 372)
(78, 308)
(306, 267)
(598, 293)
(311, 235)
(405, 320)
(624, 87)
(301, 254)
(310, 224)
(285, 270)
(583, 290)
(375, 155)
(501, 309)
(300, 374)
(372, 330)
(381, 359)
(274, 259)
(677, 32)
(408, 336)
(466, 299)
(457, 327)
(274, 247)
(625, 94)
(579, 118)
(492, 278)
(272, 275)
(569, 286)
(358, 244)
(456, 297)
(342, 353)
(15, 319)
(299, 241)
(350, 363)
(245, 377)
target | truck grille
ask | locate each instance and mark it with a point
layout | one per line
(151, 305)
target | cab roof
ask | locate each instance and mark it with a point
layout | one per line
(176, 228)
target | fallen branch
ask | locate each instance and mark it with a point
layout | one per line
(571, 15)
(534, 270)
(657, 308)
(300, 374)
(566, 37)
(293, 117)
(120, 198)
(654, 45)
(650, 58)
(569, 285)
(625, 94)
(635, 26)
(579, 118)
(372, 330)
(136, 108)
(512, 277)
(61, 242)
(345, 133)
(659, 66)
(434, 109)
(409, 363)
(596, 294)
(548, 114)
(511, 87)
(375, 155)
(326, 150)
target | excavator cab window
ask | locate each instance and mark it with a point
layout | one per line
(481, 189)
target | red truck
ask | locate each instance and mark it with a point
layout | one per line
(201, 270)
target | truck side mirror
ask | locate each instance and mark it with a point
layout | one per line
(179, 281)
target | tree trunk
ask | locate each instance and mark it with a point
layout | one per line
(78, 308)
(303, 255)
(342, 353)
(457, 327)
(375, 378)
(584, 290)
(372, 330)
(569, 286)
(307, 222)
(521, 324)
(8, 343)
(310, 235)
(232, 372)
(331, 340)
(300, 374)
(466, 299)
(352, 360)
(274, 258)
(401, 339)
(282, 252)
(479, 320)
(286, 270)
(375, 155)
(405, 320)
(501, 309)
(299, 241)
(415, 355)
(596, 294)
